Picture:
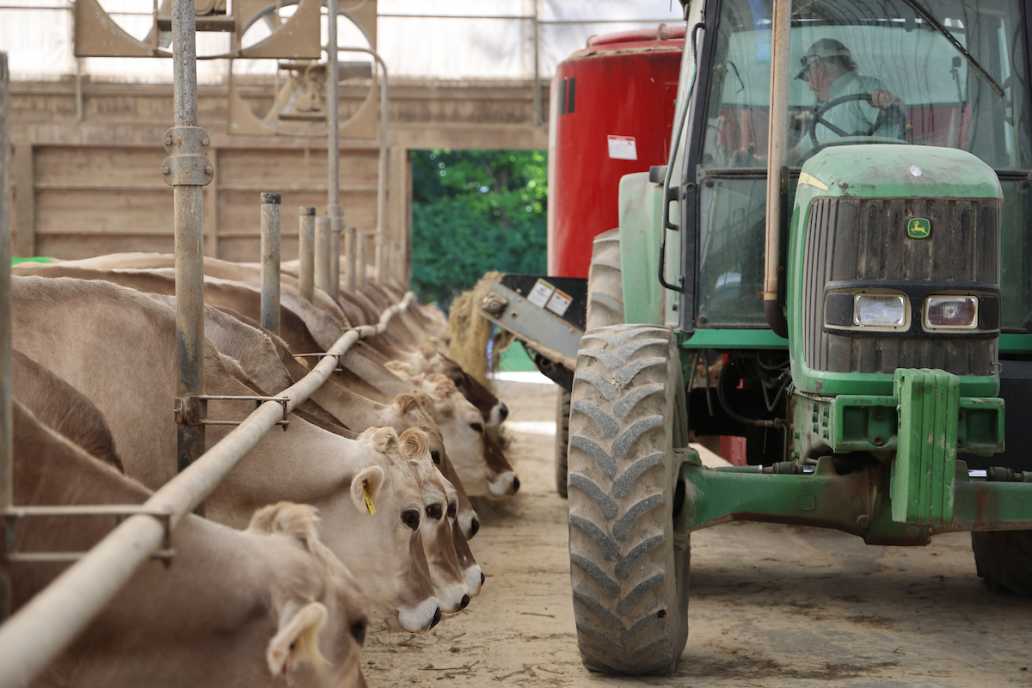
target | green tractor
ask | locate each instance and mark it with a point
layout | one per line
(836, 265)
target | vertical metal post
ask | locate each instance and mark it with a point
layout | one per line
(323, 253)
(360, 257)
(6, 429)
(271, 261)
(187, 170)
(536, 121)
(335, 239)
(351, 239)
(306, 251)
(777, 145)
(381, 251)
(333, 144)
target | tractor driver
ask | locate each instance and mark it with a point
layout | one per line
(830, 72)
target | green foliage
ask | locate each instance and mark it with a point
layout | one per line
(473, 212)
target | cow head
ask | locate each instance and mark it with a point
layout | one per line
(318, 639)
(493, 409)
(382, 539)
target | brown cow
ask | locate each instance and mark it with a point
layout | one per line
(122, 357)
(265, 607)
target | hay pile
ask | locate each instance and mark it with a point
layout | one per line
(469, 331)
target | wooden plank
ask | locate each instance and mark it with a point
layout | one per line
(265, 169)
(24, 182)
(92, 167)
(104, 212)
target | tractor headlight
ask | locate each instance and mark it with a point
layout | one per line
(951, 312)
(881, 311)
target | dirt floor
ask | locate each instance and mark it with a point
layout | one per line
(770, 605)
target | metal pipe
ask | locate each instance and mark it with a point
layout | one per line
(777, 141)
(333, 141)
(382, 246)
(360, 257)
(381, 176)
(270, 306)
(351, 239)
(188, 171)
(56, 616)
(334, 263)
(323, 253)
(306, 251)
(536, 85)
(6, 428)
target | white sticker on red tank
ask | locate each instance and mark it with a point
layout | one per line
(622, 148)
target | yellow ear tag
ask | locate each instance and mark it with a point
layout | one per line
(368, 499)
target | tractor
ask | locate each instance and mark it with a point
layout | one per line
(833, 264)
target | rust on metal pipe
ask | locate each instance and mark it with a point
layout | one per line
(306, 251)
(270, 244)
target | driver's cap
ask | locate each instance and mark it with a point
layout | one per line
(823, 49)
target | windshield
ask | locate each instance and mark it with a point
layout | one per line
(861, 72)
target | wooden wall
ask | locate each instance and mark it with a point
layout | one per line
(87, 157)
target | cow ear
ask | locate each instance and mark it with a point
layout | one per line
(399, 368)
(385, 440)
(297, 640)
(365, 488)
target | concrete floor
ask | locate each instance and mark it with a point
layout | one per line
(770, 605)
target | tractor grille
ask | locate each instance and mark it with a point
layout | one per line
(851, 239)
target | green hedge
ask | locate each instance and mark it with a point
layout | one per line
(473, 212)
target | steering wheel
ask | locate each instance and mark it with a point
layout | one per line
(892, 112)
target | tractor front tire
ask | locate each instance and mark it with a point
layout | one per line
(1003, 560)
(605, 307)
(562, 440)
(605, 282)
(628, 565)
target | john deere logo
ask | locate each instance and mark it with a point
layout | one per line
(919, 228)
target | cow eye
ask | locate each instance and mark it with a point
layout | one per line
(434, 511)
(436, 456)
(477, 427)
(452, 509)
(410, 517)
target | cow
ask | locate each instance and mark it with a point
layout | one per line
(268, 606)
(117, 347)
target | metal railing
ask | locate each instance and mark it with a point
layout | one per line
(51, 621)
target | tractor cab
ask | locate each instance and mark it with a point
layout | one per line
(834, 265)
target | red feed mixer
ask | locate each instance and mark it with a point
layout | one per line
(612, 111)
(611, 115)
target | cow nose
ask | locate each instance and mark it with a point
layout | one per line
(358, 631)
(452, 509)
(474, 527)
(503, 410)
(437, 617)
(436, 456)
(515, 484)
(464, 602)
(410, 517)
(435, 511)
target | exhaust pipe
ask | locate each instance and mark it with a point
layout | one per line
(777, 141)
